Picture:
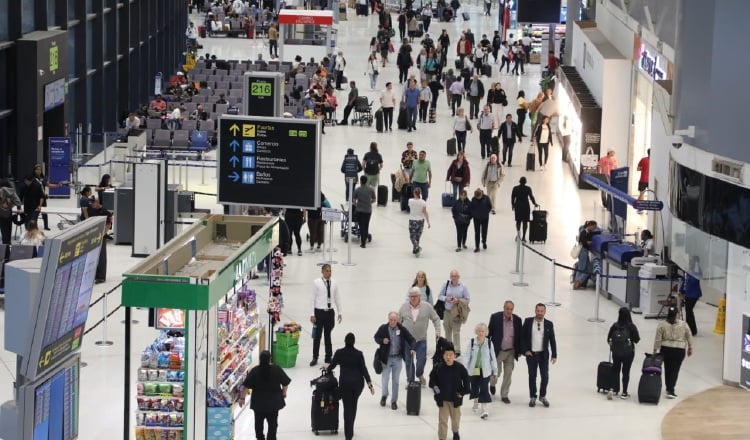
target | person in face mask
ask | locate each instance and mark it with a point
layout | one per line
(673, 338)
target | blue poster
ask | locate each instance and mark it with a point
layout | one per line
(59, 165)
(619, 179)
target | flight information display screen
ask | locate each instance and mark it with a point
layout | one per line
(56, 405)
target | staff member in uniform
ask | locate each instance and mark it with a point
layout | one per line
(325, 294)
(268, 384)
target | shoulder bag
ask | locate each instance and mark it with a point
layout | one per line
(575, 251)
(440, 304)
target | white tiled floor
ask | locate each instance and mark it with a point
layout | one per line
(383, 271)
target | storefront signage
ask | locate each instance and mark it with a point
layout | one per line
(651, 63)
(170, 319)
(273, 162)
(745, 360)
(294, 16)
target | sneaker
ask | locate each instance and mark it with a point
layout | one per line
(610, 394)
(532, 402)
(544, 401)
(475, 407)
(624, 396)
(493, 389)
(484, 415)
(382, 400)
(299, 253)
(671, 395)
(458, 249)
(422, 381)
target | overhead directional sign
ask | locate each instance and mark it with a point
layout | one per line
(263, 94)
(272, 162)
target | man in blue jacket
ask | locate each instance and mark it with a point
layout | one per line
(411, 101)
(392, 338)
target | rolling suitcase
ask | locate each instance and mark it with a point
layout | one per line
(379, 120)
(465, 16)
(530, 161)
(202, 31)
(447, 200)
(401, 120)
(382, 195)
(606, 376)
(451, 146)
(539, 215)
(413, 392)
(487, 70)
(324, 412)
(538, 231)
(649, 388)
(406, 194)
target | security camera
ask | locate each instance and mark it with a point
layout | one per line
(677, 141)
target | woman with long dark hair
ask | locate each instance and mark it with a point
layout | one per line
(622, 337)
(268, 383)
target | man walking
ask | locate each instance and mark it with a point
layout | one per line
(353, 95)
(421, 175)
(508, 132)
(505, 334)
(492, 177)
(475, 92)
(485, 126)
(411, 101)
(456, 297)
(408, 157)
(415, 316)
(392, 339)
(273, 42)
(363, 198)
(325, 294)
(340, 65)
(449, 381)
(538, 337)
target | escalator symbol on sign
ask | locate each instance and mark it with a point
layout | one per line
(248, 130)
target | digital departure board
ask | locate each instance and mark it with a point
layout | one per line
(68, 272)
(263, 94)
(56, 406)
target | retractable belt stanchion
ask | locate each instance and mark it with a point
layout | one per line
(552, 302)
(520, 282)
(518, 257)
(349, 227)
(104, 341)
(596, 317)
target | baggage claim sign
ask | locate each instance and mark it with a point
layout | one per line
(272, 162)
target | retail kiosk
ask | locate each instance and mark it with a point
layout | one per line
(197, 282)
(307, 33)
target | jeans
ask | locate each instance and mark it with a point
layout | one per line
(325, 320)
(461, 233)
(387, 118)
(480, 227)
(347, 183)
(363, 219)
(584, 267)
(373, 80)
(541, 361)
(673, 358)
(6, 226)
(411, 117)
(403, 74)
(392, 371)
(425, 187)
(543, 151)
(273, 423)
(420, 347)
(415, 233)
(423, 106)
(508, 151)
(521, 113)
(623, 363)
(273, 47)
(457, 187)
(460, 140)
(505, 63)
(349, 397)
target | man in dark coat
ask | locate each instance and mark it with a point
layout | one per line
(392, 338)
(505, 333)
(450, 382)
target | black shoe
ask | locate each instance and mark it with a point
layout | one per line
(394, 406)
(456, 436)
(463, 245)
(313, 362)
(343, 123)
(369, 238)
(99, 281)
(532, 402)
(505, 400)
(476, 249)
(108, 237)
(484, 245)
(47, 229)
(492, 389)
(362, 246)
(382, 400)
(545, 402)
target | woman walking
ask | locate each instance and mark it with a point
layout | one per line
(497, 100)
(543, 137)
(417, 218)
(295, 218)
(352, 378)
(461, 217)
(459, 174)
(269, 384)
(622, 337)
(480, 215)
(482, 366)
(420, 282)
(372, 70)
(672, 338)
(461, 125)
(521, 111)
(519, 202)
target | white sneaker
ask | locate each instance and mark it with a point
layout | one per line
(484, 415)
(610, 394)
(475, 407)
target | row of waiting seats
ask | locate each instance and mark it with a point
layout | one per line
(181, 140)
(188, 124)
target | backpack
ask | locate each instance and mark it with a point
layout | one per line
(621, 345)
(371, 166)
(6, 204)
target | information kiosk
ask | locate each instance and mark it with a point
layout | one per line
(307, 33)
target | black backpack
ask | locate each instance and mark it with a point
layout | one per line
(621, 345)
(371, 166)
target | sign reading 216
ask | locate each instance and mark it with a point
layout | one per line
(261, 89)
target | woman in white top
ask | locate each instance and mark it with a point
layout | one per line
(543, 137)
(372, 70)
(461, 125)
(417, 218)
(33, 236)
(647, 243)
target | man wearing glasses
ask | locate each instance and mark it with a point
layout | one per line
(415, 316)
(538, 337)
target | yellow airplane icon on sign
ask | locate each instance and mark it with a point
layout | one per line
(248, 130)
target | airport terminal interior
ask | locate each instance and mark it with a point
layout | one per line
(377, 282)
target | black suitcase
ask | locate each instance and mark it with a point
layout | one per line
(401, 120)
(606, 377)
(379, 120)
(465, 16)
(406, 194)
(324, 412)
(649, 388)
(530, 161)
(413, 398)
(539, 215)
(458, 64)
(382, 195)
(451, 146)
(495, 145)
(487, 70)
(538, 231)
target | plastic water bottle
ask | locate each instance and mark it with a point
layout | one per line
(314, 331)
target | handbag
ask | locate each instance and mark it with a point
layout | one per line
(575, 251)
(440, 308)
(377, 364)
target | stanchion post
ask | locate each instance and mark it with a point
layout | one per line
(518, 256)
(520, 282)
(552, 302)
(104, 341)
(203, 170)
(349, 226)
(596, 317)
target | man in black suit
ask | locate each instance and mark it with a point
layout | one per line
(508, 133)
(538, 336)
(505, 334)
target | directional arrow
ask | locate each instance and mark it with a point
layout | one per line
(234, 176)
(234, 160)
(234, 145)
(234, 129)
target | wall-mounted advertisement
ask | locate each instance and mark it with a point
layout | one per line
(569, 124)
(745, 367)
(651, 63)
